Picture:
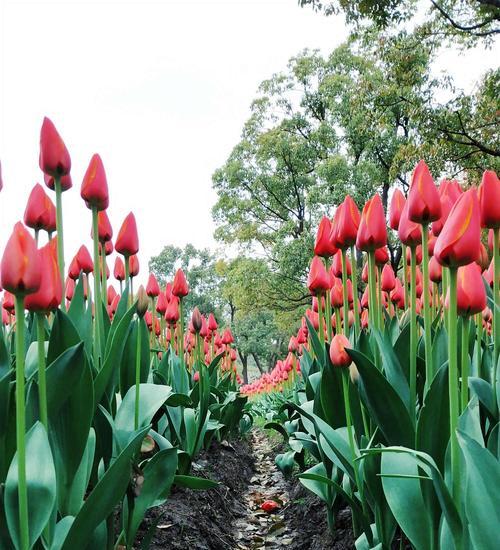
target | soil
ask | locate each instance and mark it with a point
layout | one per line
(230, 516)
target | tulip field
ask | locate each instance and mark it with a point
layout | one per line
(387, 402)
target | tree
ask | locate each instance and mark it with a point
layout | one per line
(465, 20)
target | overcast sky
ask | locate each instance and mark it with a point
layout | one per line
(159, 89)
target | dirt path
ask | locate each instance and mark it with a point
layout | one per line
(258, 529)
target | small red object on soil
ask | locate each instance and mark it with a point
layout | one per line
(269, 506)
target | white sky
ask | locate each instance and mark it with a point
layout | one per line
(159, 89)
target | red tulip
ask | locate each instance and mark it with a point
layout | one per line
(70, 289)
(133, 265)
(48, 297)
(66, 182)
(471, 296)
(489, 200)
(410, 233)
(381, 256)
(180, 287)
(196, 320)
(85, 259)
(424, 205)
(196, 376)
(127, 242)
(74, 269)
(54, 158)
(269, 506)
(212, 323)
(36, 214)
(397, 294)
(152, 288)
(338, 355)
(337, 293)
(372, 232)
(397, 204)
(435, 270)
(104, 229)
(336, 267)
(449, 191)
(458, 242)
(388, 279)
(161, 304)
(418, 255)
(51, 216)
(20, 267)
(227, 337)
(347, 221)
(111, 294)
(119, 269)
(483, 260)
(94, 190)
(172, 313)
(323, 245)
(9, 302)
(318, 280)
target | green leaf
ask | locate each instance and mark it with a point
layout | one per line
(192, 482)
(331, 395)
(313, 480)
(383, 403)
(485, 394)
(482, 499)
(158, 478)
(41, 486)
(105, 495)
(61, 531)
(433, 426)
(318, 347)
(63, 335)
(151, 398)
(405, 498)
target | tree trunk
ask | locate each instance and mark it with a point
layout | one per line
(244, 370)
(257, 362)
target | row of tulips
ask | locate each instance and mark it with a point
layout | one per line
(105, 396)
(398, 396)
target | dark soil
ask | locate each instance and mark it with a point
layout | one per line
(229, 516)
(204, 520)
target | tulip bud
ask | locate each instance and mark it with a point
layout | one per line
(212, 323)
(85, 260)
(152, 288)
(347, 223)
(111, 294)
(133, 264)
(397, 204)
(54, 158)
(49, 295)
(489, 200)
(180, 287)
(36, 214)
(65, 181)
(127, 242)
(388, 279)
(142, 302)
(104, 229)
(119, 269)
(161, 304)
(435, 270)
(471, 296)
(318, 280)
(338, 355)
(74, 269)
(172, 313)
(323, 245)
(372, 232)
(410, 233)
(381, 256)
(20, 267)
(227, 337)
(458, 242)
(196, 320)
(424, 205)
(94, 190)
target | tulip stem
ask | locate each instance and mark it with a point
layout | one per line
(405, 276)
(372, 290)
(453, 384)
(328, 308)
(320, 319)
(42, 386)
(345, 294)
(97, 291)
(137, 373)
(479, 339)
(355, 297)
(465, 363)
(338, 321)
(429, 366)
(104, 276)
(127, 277)
(60, 234)
(21, 425)
(180, 343)
(413, 332)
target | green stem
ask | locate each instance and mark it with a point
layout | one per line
(328, 308)
(465, 363)
(372, 290)
(42, 386)
(355, 303)
(338, 321)
(429, 365)
(479, 339)
(320, 317)
(60, 232)
(127, 277)
(104, 277)
(153, 323)
(344, 293)
(137, 374)
(453, 385)
(405, 277)
(413, 333)
(180, 343)
(97, 292)
(21, 425)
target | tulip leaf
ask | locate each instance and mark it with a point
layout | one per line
(158, 478)
(482, 499)
(62, 336)
(318, 347)
(392, 367)
(384, 404)
(433, 427)
(405, 498)
(105, 495)
(331, 395)
(485, 394)
(41, 486)
(127, 365)
(313, 480)
(61, 531)
(196, 483)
